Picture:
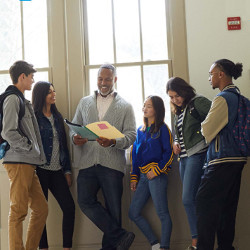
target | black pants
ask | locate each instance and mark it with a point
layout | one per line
(217, 201)
(57, 184)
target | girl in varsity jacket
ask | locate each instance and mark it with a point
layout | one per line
(151, 158)
(189, 111)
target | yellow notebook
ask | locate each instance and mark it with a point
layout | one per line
(94, 130)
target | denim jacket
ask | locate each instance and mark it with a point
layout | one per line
(46, 132)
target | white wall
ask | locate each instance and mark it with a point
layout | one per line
(208, 40)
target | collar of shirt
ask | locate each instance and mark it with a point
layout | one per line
(110, 95)
(103, 104)
(229, 86)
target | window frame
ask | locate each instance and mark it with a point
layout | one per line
(38, 69)
(87, 66)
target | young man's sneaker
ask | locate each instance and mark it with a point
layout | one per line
(126, 241)
(191, 248)
(156, 246)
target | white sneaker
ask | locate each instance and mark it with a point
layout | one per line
(156, 246)
(191, 248)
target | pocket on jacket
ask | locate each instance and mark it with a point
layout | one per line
(34, 152)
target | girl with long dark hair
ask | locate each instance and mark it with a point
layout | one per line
(152, 156)
(189, 111)
(55, 175)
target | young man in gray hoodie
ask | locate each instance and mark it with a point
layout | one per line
(20, 161)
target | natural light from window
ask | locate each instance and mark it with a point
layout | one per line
(24, 36)
(132, 35)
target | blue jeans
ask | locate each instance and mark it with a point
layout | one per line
(108, 218)
(157, 189)
(191, 172)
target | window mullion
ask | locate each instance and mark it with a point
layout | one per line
(140, 28)
(22, 30)
(142, 82)
(141, 48)
(169, 37)
(86, 46)
(113, 27)
(86, 37)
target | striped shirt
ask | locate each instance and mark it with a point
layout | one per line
(183, 152)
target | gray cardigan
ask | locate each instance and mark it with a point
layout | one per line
(20, 150)
(121, 115)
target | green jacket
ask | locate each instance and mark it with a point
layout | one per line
(193, 139)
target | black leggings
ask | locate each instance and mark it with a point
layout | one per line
(57, 184)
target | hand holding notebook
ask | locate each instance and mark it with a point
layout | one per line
(94, 130)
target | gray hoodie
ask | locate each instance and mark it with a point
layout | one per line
(21, 151)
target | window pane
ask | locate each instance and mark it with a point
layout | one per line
(129, 86)
(93, 80)
(155, 80)
(130, 90)
(100, 32)
(38, 76)
(35, 33)
(5, 81)
(127, 31)
(154, 30)
(10, 30)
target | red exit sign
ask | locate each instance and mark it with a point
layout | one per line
(233, 23)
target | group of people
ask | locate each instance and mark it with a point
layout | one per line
(37, 161)
(210, 164)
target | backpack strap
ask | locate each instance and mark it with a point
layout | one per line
(21, 100)
(11, 90)
(22, 108)
(20, 116)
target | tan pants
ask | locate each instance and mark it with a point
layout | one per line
(25, 191)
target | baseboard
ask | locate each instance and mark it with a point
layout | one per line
(175, 245)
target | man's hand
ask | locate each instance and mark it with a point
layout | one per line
(133, 186)
(68, 178)
(104, 142)
(78, 140)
